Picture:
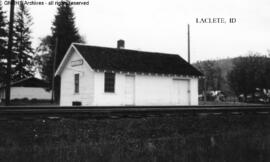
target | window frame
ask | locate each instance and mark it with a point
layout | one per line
(76, 83)
(109, 82)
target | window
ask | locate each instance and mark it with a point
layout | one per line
(109, 82)
(76, 83)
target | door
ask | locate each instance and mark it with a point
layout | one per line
(130, 90)
(181, 92)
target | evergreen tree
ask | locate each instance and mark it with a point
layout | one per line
(22, 44)
(64, 30)
(3, 43)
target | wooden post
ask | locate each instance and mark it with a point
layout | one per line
(9, 53)
(188, 45)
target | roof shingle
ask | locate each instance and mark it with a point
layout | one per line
(103, 58)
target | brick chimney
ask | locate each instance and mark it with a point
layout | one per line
(120, 44)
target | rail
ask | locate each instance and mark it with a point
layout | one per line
(55, 112)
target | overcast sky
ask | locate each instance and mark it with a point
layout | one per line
(161, 26)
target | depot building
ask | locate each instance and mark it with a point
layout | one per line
(101, 76)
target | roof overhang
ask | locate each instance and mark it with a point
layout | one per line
(75, 48)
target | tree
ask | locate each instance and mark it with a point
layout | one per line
(3, 43)
(64, 29)
(22, 44)
(43, 58)
(65, 32)
(249, 74)
(212, 73)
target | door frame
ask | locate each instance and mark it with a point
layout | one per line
(188, 89)
(133, 98)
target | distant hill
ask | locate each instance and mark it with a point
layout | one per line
(215, 72)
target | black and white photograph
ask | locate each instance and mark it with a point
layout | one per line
(137, 81)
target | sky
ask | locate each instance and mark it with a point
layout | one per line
(161, 26)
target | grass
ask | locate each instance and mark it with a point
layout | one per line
(186, 137)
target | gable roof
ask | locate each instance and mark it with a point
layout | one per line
(114, 59)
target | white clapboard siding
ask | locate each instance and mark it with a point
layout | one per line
(148, 90)
(86, 84)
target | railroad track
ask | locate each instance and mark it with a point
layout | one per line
(54, 112)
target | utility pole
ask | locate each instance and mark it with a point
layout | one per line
(54, 66)
(188, 45)
(9, 52)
